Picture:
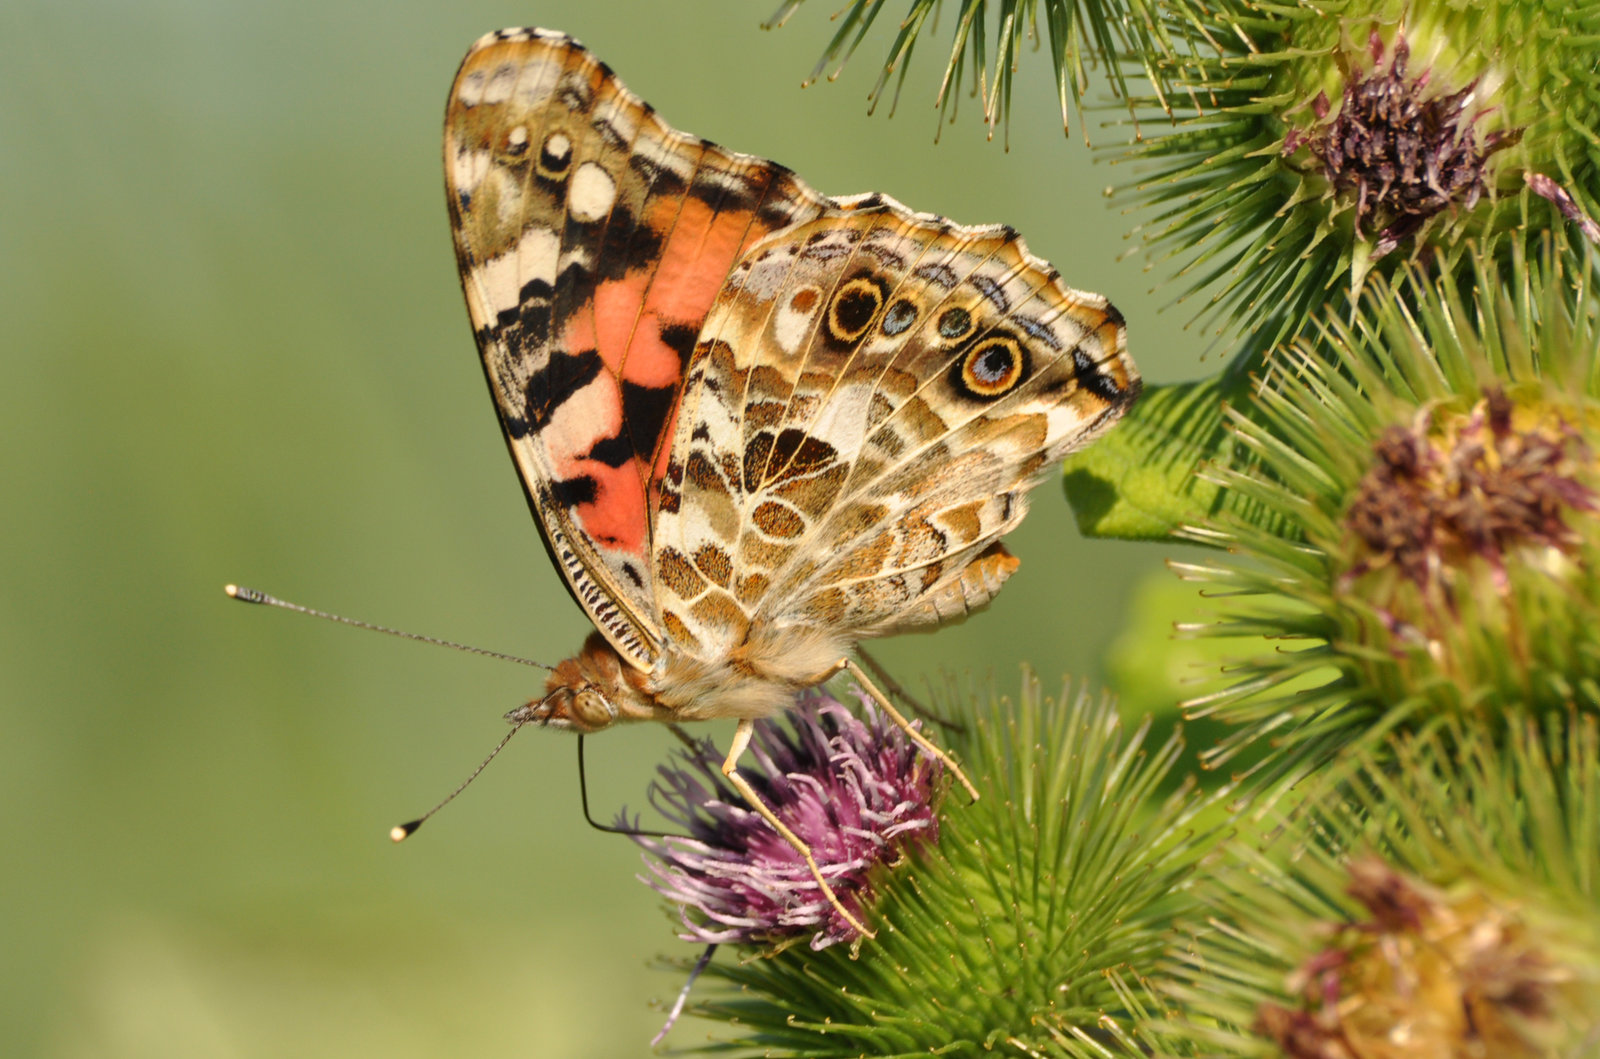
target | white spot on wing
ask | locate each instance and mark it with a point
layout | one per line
(498, 90)
(591, 193)
(470, 168)
(790, 326)
(559, 147)
(537, 84)
(470, 90)
(590, 413)
(509, 204)
(1062, 422)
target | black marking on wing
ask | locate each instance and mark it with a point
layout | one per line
(552, 385)
(939, 274)
(1037, 331)
(626, 245)
(990, 290)
(680, 339)
(645, 410)
(570, 492)
(661, 180)
(1091, 378)
(528, 319)
(613, 451)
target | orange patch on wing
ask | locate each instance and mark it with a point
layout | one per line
(699, 252)
(616, 516)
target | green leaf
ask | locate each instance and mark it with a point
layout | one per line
(1146, 478)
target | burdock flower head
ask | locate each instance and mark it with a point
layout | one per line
(1449, 973)
(1403, 150)
(1436, 903)
(1426, 490)
(857, 791)
(1337, 139)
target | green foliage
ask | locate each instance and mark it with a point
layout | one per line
(1078, 33)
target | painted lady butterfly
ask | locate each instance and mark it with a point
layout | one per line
(756, 424)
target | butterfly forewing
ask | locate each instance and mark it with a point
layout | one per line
(592, 240)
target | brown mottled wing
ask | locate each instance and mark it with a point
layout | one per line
(872, 397)
(592, 240)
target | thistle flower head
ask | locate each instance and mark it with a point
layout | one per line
(1026, 927)
(857, 791)
(1449, 973)
(1419, 511)
(1437, 902)
(1340, 139)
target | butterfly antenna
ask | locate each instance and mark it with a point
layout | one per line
(250, 595)
(401, 832)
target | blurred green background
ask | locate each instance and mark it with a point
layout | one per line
(235, 350)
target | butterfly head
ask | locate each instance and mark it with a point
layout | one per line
(592, 690)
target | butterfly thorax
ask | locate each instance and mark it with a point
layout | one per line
(597, 688)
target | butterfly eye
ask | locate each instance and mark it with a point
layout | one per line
(854, 308)
(555, 156)
(992, 367)
(955, 324)
(590, 711)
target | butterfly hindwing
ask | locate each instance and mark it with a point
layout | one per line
(592, 240)
(872, 397)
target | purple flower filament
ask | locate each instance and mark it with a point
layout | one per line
(856, 790)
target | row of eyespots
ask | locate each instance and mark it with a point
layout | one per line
(857, 302)
(989, 369)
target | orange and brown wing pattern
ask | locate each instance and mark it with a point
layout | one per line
(873, 396)
(593, 240)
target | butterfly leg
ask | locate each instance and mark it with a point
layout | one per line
(895, 688)
(741, 741)
(899, 718)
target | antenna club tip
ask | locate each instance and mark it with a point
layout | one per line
(401, 832)
(232, 590)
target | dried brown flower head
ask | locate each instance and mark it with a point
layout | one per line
(1430, 975)
(1406, 149)
(1444, 491)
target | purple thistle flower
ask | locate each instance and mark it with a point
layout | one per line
(857, 791)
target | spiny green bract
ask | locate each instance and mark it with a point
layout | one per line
(1338, 139)
(1111, 34)
(1028, 927)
